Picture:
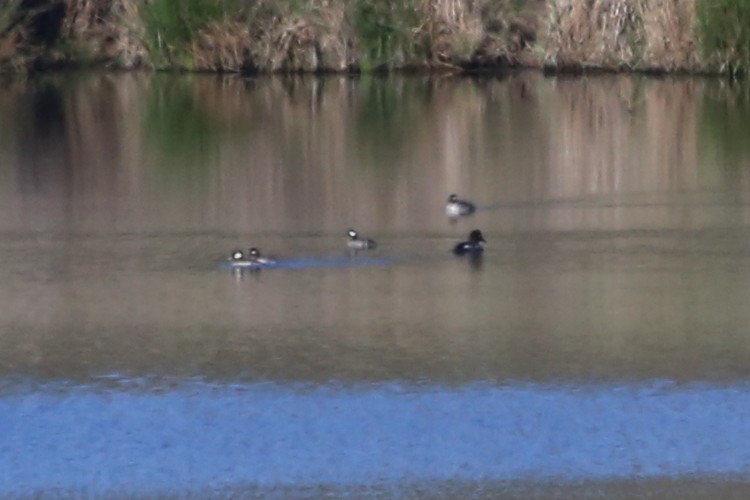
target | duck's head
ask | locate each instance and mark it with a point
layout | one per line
(253, 253)
(453, 198)
(352, 234)
(476, 236)
(237, 255)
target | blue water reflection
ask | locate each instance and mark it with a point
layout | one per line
(194, 435)
(335, 262)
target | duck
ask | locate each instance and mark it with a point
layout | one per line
(252, 259)
(472, 247)
(255, 256)
(357, 243)
(456, 207)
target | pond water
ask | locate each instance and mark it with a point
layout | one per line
(600, 346)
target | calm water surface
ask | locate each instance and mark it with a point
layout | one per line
(600, 347)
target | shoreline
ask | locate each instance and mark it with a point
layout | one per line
(364, 36)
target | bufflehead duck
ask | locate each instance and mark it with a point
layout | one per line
(473, 247)
(357, 243)
(253, 255)
(252, 260)
(455, 207)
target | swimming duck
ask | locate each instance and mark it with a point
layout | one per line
(357, 243)
(252, 260)
(254, 255)
(472, 247)
(456, 207)
(237, 256)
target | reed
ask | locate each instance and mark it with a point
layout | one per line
(340, 35)
(669, 36)
(267, 35)
(277, 35)
(293, 36)
(652, 35)
(372, 35)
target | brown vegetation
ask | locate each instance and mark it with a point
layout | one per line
(364, 35)
(328, 35)
(622, 34)
(37, 34)
(274, 35)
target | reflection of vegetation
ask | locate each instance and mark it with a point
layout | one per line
(723, 124)
(724, 27)
(171, 25)
(181, 129)
(387, 116)
(722, 133)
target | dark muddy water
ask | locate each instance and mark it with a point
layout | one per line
(599, 348)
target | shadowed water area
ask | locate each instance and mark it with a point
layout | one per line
(599, 348)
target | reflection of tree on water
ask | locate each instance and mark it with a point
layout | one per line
(182, 128)
(75, 136)
(388, 111)
(298, 153)
(42, 139)
(725, 114)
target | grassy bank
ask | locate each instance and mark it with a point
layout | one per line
(268, 35)
(374, 35)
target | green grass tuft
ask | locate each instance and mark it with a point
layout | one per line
(387, 32)
(171, 25)
(724, 29)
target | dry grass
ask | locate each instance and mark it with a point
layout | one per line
(341, 35)
(328, 35)
(453, 28)
(72, 32)
(274, 36)
(313, 38)
(220, 47)
(669, 34)
(602, 33)
(621, 34)
(323, 36)
(108, 31)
